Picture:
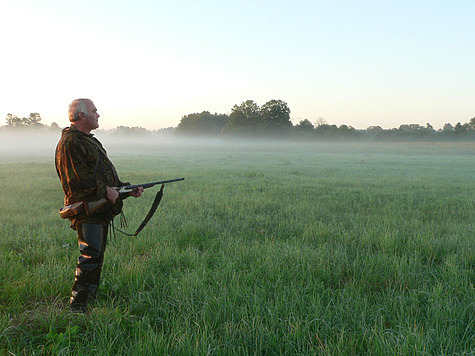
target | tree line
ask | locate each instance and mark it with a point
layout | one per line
(31, 121)
(273, 120)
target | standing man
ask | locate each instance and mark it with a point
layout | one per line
(87, 174)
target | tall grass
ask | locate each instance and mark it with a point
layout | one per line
(264, 249)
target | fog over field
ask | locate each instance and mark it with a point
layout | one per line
(44, 144)
(31, 145)
(27, 144)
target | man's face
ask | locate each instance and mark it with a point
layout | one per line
(92, 119)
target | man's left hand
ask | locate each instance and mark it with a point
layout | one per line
(136, 193)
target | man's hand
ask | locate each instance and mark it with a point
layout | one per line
(136, 193)
(112, 194)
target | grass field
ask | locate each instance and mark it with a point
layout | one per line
(263, 249)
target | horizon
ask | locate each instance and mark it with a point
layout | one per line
(315, 123)
(148, 64)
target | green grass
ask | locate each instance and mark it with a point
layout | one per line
(263, 249)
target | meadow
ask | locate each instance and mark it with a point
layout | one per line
(265, 248)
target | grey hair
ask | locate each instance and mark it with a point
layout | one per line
(77, 106)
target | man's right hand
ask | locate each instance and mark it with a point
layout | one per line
(112, 194)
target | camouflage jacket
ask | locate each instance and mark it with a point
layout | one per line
(85, 170)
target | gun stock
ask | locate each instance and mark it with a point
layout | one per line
(82, 207)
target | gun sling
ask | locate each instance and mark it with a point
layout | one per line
(152, 210)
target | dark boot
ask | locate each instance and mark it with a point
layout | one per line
(79, 296)
(77, 307)
(92, 291)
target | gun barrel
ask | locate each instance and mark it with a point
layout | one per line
(128, 188)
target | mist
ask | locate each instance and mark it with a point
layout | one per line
(15, 144)
(30, 145)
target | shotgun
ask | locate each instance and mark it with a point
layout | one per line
(90, 207)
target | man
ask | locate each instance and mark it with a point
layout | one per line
(87, 174)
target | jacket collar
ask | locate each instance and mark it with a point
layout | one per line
(73, 129)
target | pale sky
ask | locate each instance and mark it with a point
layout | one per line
(148, 63)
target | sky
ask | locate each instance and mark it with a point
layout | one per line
(148, 63)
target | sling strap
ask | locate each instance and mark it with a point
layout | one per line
(145, 221)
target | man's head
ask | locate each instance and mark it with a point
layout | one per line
(83, 114)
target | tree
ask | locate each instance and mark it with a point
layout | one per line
(472, 123)
(460, 130)
(326, 131)
(320, 121)
(32, 120)
(305, 126)
(375, 129)
(202, 123)
(129, 131)
(448, 128)
(345, 131)
(374, 132)
(13, 120)
(244, 118)
(275, 114)
(413, 131)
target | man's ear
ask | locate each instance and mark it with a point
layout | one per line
(81, 115)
